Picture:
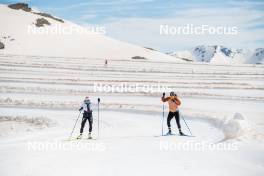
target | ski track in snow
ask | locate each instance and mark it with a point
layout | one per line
(53, 88)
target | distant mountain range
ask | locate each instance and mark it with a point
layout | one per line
(221, 55)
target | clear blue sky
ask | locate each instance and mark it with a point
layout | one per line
(138, 21)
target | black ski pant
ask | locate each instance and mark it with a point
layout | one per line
(87, 116)
(177, 117)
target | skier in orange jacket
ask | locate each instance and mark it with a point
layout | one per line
(174, 102)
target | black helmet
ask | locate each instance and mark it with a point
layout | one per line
(172, 94)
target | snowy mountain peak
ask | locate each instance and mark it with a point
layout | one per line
(258, 56)
(208, 53)
(221, 54)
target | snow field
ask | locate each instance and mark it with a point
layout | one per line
(221, 104)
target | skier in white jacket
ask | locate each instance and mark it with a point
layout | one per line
(87, 115)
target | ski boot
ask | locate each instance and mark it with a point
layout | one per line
(181, 133)
(89, 136)
(80, 136)
(169, 133)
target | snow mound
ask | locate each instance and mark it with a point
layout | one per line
(41, 122)
(235, 127)
(39, 104)
(21, 124)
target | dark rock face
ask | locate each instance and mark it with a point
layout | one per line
(150, 48)
(22, 6)
(138, 57)
(25, 7)
(41, 22)
(258, 56)
(2, 46)
(49, 16)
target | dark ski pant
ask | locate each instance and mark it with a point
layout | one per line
(177, 117)
(89, 117)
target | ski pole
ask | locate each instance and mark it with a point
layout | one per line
(162, 119)
(74, 126)
(163, 95)
(98, 122)
(186, 124)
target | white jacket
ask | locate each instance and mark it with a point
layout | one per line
(84, 106)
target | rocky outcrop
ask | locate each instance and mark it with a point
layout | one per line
(41, 22)
(25, 7)
(139, 57)
(22, 6)
(49, 16)
(150, 48)
(2, 46)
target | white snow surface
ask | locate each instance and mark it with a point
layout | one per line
(222, 105)
(44, 79)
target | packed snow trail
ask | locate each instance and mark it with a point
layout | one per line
(115, 125)
(127, 139)
(51, 89)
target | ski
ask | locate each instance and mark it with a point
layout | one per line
(76, 139)
(186, 135)
(166, 135)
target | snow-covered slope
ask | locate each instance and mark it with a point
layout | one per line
(221, 55)
(17, 35)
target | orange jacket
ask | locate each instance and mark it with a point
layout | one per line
(173, 102)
